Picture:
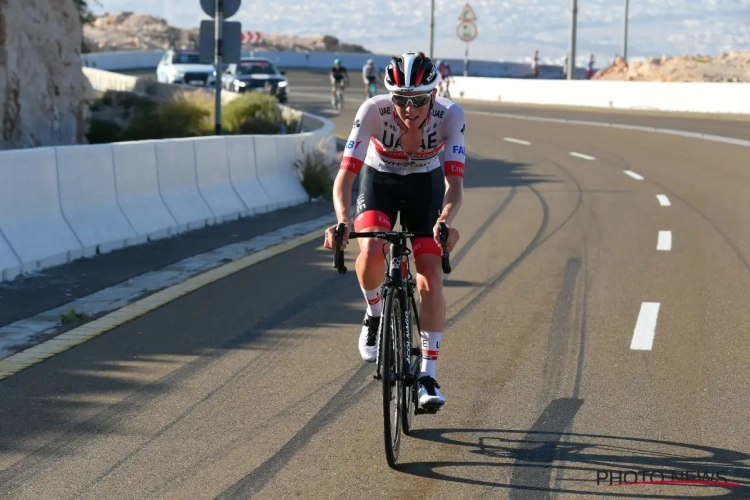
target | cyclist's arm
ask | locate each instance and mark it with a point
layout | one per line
(455, 159)
(366, 124)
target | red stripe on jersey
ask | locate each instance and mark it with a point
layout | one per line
(351, 164)
(454, 168)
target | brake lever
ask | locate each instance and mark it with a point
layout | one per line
(338, 254)
(443, 231)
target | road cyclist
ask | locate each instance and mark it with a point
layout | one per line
(339, 81)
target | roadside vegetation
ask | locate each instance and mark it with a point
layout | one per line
(124, 116)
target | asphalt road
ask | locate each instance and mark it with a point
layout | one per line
(253, 386)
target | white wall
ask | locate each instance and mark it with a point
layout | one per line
(699, 97)
(63, 203)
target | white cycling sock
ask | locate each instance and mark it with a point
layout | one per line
(374, 304)
(430, 348)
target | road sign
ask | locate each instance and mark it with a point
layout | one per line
(251, 37)
(231, 48)
(230, 7)
(467, 14)
(467, 31)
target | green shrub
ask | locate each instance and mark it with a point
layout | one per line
(248, 106)
(180, 116)
(258, 126)
(103, 131)
(315, 170)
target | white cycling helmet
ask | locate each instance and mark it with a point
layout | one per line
(411, 71)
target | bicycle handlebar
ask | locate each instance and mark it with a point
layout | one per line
(338, 255)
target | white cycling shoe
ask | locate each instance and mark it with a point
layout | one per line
(430, 397)
(368, 338)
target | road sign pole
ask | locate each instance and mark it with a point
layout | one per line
(466, 60)
(432, 27)
(572, 60)
(219, 18)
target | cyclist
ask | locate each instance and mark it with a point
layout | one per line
(444, 69)
(393, 147)
(369, 73)
(339, 77)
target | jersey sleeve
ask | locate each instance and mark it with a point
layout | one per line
(365, 126)
(455, 151)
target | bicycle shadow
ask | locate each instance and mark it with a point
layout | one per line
(537, 460)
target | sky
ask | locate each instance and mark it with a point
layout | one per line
(509, 30)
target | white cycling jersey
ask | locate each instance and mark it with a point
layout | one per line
(375, 140)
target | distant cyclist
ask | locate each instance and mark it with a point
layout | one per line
(444, 69)
(369, 75)
(394, 148)
(339, 77)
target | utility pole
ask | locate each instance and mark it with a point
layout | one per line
(625, 33)
(219, 19)
(432, 26)
(572, 60)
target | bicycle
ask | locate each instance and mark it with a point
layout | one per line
(337, 100)
(398, 365)
(371, 89)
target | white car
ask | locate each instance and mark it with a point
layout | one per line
(184, 66)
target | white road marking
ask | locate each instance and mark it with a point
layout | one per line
(581, 155)
(663, 200)
(683, 133)
(633, 175)
(517, 141)
(645, 327)
(665, 241)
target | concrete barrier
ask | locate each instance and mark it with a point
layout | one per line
(178, 184)
(275, 163)
(697, 97)
(244, 174)
(214, 184)
(30, 215)
(138, 190)
(88, 198)
(10, 264)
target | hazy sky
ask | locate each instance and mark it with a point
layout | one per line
(508, 29)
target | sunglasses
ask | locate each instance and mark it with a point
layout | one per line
(417, 101)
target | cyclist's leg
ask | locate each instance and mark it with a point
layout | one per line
(376, 210)
(425, 195)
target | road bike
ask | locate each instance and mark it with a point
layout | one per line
(399, 351)
(337, 100)
(371, 89)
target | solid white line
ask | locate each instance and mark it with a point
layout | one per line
(645, 327)
(580, 155)
(665, 241)
(517, 141)
(633, 175)
(663, 200)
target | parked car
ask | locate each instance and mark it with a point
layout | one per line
(184, 66)
(257, 75)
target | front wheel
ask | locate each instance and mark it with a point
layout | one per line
(391, 347)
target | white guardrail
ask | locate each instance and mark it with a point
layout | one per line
(59, 204)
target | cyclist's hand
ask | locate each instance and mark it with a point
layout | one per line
(453, 235)
(330, 241)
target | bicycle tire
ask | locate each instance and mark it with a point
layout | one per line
(409, 393)
(392, 440)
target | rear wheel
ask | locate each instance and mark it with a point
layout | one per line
(391, 369)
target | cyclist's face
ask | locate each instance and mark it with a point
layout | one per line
(411, 114)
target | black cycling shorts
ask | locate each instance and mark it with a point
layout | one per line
(419, 197)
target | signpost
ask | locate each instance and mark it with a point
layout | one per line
(225, 48)
(467, 31)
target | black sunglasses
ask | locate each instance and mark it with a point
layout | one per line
(417, 101)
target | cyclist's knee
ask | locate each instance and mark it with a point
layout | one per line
(429, 274)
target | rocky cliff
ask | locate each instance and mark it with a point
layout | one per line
(727, 67)
(132, 31)
(42, 86)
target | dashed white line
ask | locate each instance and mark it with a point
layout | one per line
(632, 174)
(665, 241)
(645, 327)
(517, 141)
(581, 155)
(663, 200)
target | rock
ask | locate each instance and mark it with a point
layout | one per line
(43, 90)
(130, 31)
